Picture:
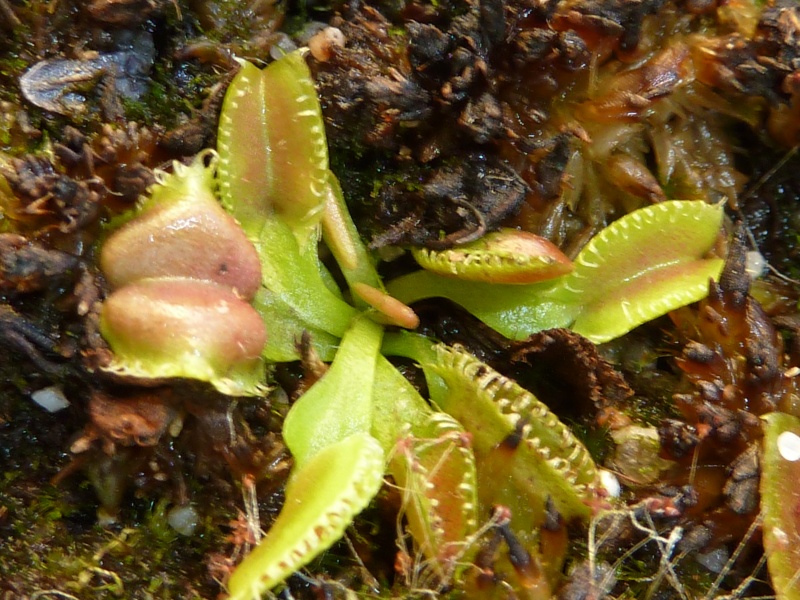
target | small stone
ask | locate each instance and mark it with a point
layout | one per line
(610, 483)
(183, 519)
(50, 398)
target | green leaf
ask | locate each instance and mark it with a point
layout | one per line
(295, 277)
(322, 498)
(645, 298)
(286, 329)
(396, 404)
(647, 263)
(340, 234)
(780, 502)
(419, 348)
(434, 468)
(524, 454)
(339, 404)
(273, 153)
(338, 465)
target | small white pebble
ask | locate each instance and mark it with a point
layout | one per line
(756, 265)
(610, 482)
(789, 446)
(51, 398)
(183, 519)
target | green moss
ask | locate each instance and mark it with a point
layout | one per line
(50, 539)
(596, 439)
(165, 101)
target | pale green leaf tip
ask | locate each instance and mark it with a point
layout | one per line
(321, 500)
(780, 463)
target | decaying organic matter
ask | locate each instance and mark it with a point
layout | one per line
(446, 122)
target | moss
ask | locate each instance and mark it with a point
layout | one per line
(174, 93)
(42, 551)
(50, 536)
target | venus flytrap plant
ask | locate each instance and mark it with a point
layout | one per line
(430, 455)
(363, 418)
(430, 459)
(322, 498)
(643, 265)
(527, 462)
(338, 409)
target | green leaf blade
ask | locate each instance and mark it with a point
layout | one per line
(396, 404)
(645, 298)
(780, 502)
(340, 234)
(322, 498)
(548, 462)
(644, 240)
(294, 274)
(516, 311)
(340, 404)
(286, 327)
(272, 147)
(647, 263)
